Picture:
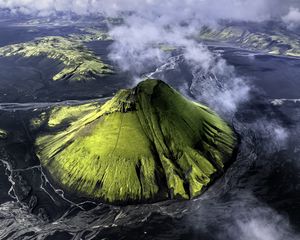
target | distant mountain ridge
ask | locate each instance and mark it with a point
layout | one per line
(270, 37)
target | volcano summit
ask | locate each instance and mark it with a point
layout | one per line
(148, 143)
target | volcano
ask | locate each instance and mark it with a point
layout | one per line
(145, 144)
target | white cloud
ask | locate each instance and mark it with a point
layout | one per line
(254, 10)
(263, 223)
(292, 19)
(281, 134)
(171, 23)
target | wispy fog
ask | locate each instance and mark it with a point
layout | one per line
(255, 10)
(150, 27)
(292, 19)
(252, 220)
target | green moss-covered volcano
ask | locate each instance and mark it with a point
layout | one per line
(147, 143)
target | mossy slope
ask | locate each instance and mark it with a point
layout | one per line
(80, 64)
(148, 143)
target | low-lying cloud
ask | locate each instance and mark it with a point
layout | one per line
(247, 10)
(240, 217)
(222, 89)
(151, 26)
(140, 43)
(261, 223)
(292, 19)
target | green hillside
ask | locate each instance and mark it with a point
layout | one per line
(147, 143)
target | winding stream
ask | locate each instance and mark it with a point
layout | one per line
(259, 191)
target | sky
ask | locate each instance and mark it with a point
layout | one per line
(255, 10)
(247, 9)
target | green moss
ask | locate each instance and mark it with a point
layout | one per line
(3, 134)
(79, 63)
(64, 114)
(147, 143)
(90, 34)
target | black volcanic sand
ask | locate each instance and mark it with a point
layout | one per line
(277, 76)
(11, 33)
(24, 168)
(101, 49)
(261, 188)
(265, 176)
(30, 80)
